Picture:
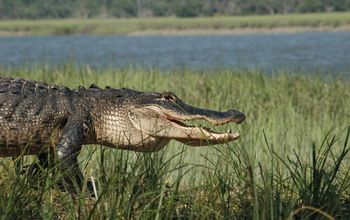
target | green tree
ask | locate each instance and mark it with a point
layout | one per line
(122, 8)
(191, 8)
(36, 9)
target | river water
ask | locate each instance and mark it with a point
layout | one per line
(306, 52)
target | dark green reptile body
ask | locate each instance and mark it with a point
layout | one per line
(36, 117)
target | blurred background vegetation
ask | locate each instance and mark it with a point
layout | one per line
(38, 9)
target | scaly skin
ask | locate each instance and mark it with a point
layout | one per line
(36, 117)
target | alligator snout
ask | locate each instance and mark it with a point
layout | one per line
(238, 117)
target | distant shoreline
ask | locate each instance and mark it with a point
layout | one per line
(241, 31)
(192, 32)
(225, 25)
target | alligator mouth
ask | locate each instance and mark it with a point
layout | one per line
(155, 122)
(182, 124)
(201, 136)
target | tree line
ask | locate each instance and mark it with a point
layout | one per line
(37, 9)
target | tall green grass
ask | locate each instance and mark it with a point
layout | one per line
(291, 160)
(128, 26)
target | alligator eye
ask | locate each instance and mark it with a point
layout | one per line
(169, 97)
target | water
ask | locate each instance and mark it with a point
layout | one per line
(324, 52)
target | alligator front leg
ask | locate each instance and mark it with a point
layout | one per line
(67, 151)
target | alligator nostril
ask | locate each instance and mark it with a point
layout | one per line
(237, 115)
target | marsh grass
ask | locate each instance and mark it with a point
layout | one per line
(128, 26)
(291, 161)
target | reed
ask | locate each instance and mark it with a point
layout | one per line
(291, 160)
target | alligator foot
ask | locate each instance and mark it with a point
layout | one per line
(73, 182)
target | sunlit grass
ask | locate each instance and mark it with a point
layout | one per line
(291, 159)
(127, 26)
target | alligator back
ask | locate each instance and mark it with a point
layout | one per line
(32, 115)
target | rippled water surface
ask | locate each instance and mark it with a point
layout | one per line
(325, 52)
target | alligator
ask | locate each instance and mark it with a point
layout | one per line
(53, 121)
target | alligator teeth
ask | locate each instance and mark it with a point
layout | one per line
(229, 131)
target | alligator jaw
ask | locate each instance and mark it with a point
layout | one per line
(198, 136)
(155, 122)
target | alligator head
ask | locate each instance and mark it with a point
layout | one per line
(147, 121)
